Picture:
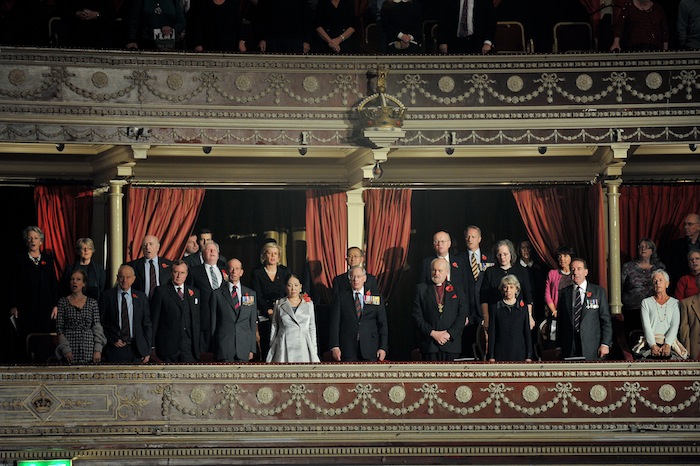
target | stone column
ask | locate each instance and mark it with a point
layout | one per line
(356, 218)
(116, 229)
(615, 269)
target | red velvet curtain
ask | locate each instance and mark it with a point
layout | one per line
(326, 238)
(655, 212)
(167, 213)
(388, 225)
(64, 214)
(570, 216)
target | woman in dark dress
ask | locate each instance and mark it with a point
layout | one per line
(510, 338)
(217, 27)
(33, 295)
(336, 25)
(269, 284)
(96, 276)
(506, 264)
(88, 23)
(80, 334)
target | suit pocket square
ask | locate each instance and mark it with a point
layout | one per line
(196, 301)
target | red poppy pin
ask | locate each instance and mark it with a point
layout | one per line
(164, 265)
(483, 257)
(522, 303)
(306, 298)
(43, 262)
(449, 288)
(589, 294)
(367, 293)
(454, 264)
(190, 292)
(133, 295)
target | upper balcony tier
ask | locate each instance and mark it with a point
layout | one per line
(242, 119)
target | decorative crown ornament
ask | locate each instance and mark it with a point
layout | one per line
(381, 110)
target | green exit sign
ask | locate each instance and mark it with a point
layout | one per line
(44, 463)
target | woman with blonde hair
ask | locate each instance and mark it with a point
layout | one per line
(269, 283)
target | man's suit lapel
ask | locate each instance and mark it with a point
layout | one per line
(223, 289)
(568, 295)
(431, 297)
(172, 294)
(695, 306)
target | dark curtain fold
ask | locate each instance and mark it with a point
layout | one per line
(656, 212)
(388, 225)
(167, 213)
(571, 216)
(326, 236)
(64, 214)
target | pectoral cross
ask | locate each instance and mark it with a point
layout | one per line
(440, 306)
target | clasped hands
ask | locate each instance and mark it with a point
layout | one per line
(440, 336)
(663, 350)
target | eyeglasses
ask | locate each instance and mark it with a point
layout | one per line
(643, 246)
(690, 224)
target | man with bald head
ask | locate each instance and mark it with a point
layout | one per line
(151, 270)
(126, 319)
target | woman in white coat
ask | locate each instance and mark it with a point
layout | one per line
(293, 334)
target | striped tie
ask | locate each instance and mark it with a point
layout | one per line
(214, 277)
(236, 301)
(358, 306)
(578, 309)
(475, 267)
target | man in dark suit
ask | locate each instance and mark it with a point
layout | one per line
(440, 313)
(175, 309)
(677, 260)
(191, 247)
(126, 319)
(151, 271)
(456, 267)
(459, 275)
(203, 237)
(207, 278)
(584, 325)
(477, 261)
(358, 323)
(236, 315)
(466, 26)
(356, 256)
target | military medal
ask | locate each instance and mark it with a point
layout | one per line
(158, 10)
(440, 306)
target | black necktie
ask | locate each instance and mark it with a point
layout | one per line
(125, 330)
(578, 309)
(152, 279)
